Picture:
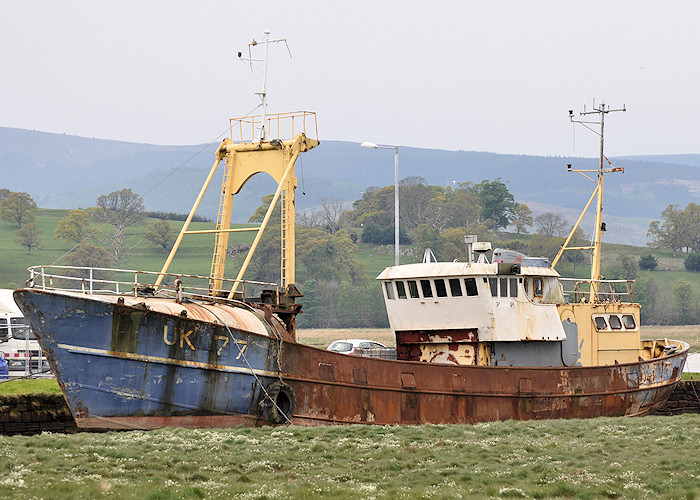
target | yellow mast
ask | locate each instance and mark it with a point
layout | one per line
(599, 228)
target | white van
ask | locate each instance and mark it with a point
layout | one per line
(17, 341)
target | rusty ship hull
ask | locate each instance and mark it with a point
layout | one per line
(142, 363)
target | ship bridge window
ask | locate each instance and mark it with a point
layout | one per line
(600, 323)
(513, 287)
(615, 323)
(401, 289)
(440, 289)
(504, 287)
(537, 282)
(629, 322)
(455, 287)
(426, 288)
(389, 290)
(413, 289)
(493, 285)
(470, 285)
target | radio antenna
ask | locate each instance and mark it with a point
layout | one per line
(250, 60)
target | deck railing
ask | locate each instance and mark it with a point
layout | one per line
(597, 290)
(277, 125)
(101, 280)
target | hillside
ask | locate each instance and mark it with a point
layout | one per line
(62, 171)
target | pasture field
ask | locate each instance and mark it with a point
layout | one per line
(649, 457)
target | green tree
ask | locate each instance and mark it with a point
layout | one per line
(75, 228)
(161, 234)
(121, 209)
(428, 237)
(648, 262)
(692, 262)
(18, 208)
(523, 218)
(497, 203)
(624, 268)
(678, 230)
(4, 193)
(89, 255)
(683, 299)
(28, 237)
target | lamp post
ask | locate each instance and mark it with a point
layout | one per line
(371, 145)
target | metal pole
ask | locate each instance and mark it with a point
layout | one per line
(263, 135)
(397, 252)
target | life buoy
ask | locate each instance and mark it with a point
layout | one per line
(280, 403)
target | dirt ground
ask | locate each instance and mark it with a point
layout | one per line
(322, 337)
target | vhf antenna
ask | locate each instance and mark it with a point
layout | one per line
(263, 94)
(600, 228)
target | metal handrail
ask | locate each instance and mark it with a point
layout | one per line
(134, 283)
(584, 289)
(296, 120)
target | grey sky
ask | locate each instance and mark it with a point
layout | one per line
(471, 75)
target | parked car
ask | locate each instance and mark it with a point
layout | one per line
(348, 346)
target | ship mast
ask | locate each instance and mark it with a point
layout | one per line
(596, 244)
(266, 153)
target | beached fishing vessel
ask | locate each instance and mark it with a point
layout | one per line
(475, 341)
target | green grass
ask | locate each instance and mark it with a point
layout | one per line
(650, 457)
(194, 256)
(30, 386)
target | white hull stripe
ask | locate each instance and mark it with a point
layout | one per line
(165, 361)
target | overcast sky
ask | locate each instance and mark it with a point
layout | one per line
(472, 75)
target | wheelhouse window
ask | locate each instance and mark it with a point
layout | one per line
(456, 288)
(401, 289)
(413, 289)
(537, 283)
(504, 287)
(389, 290)
(426, 288)
(440, 289)
(493, 285)
(615, 323)
(513, 287)
(470, 285)
(600, 323)
(629, 322)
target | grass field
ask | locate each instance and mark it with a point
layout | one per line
(650, 457)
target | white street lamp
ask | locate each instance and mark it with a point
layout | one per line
(371, 145)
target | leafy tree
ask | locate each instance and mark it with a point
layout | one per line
(625, 268)
(550, 224)
(544, 246)
(121, 209)
(18, 208)
(683, 299)
(428, 237)
(28, 237)
(692, 262)
(497, 203)
(4, 193)
(523, 218)
(679, 230)
(161, 234)
(88, 255)
(648, 262)
(75, 228)
(454, 247)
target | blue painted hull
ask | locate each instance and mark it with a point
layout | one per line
(113, 361)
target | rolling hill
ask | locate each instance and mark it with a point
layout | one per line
(62, 171)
